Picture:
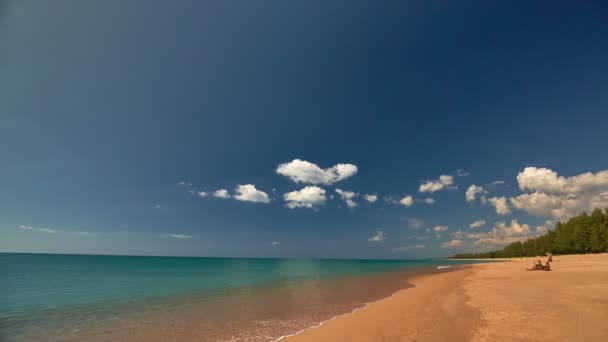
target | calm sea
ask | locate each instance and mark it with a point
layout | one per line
(128, 298)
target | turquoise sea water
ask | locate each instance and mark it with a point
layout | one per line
(41, 292)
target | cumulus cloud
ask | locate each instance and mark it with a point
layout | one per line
(548, 194)
(440, 228)
(308, 197)
(473, 191)
(202, 194)
(180, 236)
(371, 198)
(301, 171)
(502, 234)
(248, 193)
(452, 244)
(407, 248)
(407, 201)
(222, 193)
(347, 196)
(500, 203)
(437, 184)
(477, 224)
(378, 237)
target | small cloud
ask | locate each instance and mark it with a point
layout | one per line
(202, 194)
(301, 171)
(437, 184)
(248, 193)
(498, 182)
(407, 201)
(423, 237)
(452, 244)
(477, 224)
(500, 203)
(370, 198)
(414, 223)
(440, 228)
(407, 248)
(157, 206)
(192, 192)
(378, 237)
(473, 191)
(222, 193)
(462, 173)
(274, 243)
(180, 236)
(44, 230)
(307, 197)
(347, 196)
(184, 184)
(429, 200)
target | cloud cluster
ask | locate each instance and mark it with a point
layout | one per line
(308, 197)
(500, 203)
(249, 193)
(301, 171)
(473, 191)
(347, 196)
(378, 237)
(548, 194)
(452, 243)
(437, 184)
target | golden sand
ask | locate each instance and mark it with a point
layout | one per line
(487, 302)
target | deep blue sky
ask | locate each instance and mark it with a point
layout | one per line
(105, 106)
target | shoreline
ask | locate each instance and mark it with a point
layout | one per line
(485, 302)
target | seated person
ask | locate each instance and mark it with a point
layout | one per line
(537, 266)
(547, 266)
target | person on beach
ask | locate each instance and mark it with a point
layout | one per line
(547, 266)
(549, 257)
(536, 266)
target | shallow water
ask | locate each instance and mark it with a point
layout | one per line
(110, 298)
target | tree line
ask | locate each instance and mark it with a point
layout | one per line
(579, 235)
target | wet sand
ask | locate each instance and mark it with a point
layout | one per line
(487, 302)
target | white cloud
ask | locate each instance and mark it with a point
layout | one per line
(560, 197)
(542, 230)
(378, 237)
(500, 203)
(347, 196)
(473, 191)
(184, 184)
(44, 230)
(301, 171)
(54, 231)
(222, 193)
(501, 235)
(436, 185)
(248, 193)
(307, 197)
(407, 201)
(157, 206)
(202, 194)
(453, 243)
(274, 243)
(498, 182)
(477, 224)
(180, 236)
(407, 248)
(371, 198)
(429, 200)
(440, 228)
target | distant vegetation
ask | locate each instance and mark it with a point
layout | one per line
(581, 234)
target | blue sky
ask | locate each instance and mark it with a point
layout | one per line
(107, 106)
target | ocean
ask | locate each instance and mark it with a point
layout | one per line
(54, 297)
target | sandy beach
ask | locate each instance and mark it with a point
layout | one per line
(487, 302)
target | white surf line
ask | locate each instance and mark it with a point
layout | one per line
(348, 313)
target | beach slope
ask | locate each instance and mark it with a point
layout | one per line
(487, 302)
